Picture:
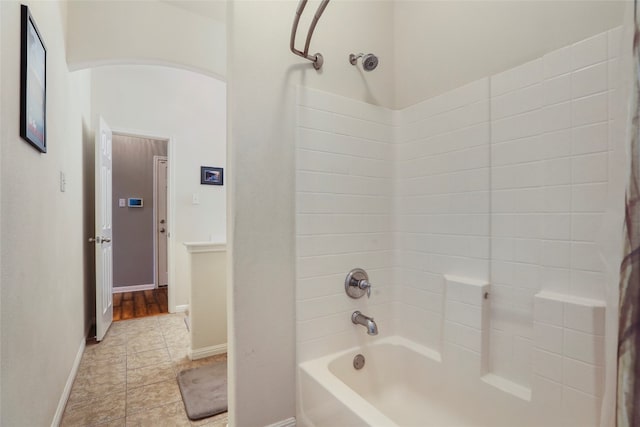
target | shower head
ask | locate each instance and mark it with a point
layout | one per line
(369, 61)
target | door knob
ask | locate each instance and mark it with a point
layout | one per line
(162, 221)
(99, 239)
(162, 230)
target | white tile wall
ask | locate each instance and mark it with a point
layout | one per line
(569, 350)
(343, 218)
(466, 316)
(503, 180)
(549, 179)
(441, 209)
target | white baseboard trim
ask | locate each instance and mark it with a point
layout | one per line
(289, 422)
(201, 353)
(133, 288)
(181, 308)
(66, 392)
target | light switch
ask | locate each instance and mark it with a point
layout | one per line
(196, 199)
(63, 182)
(122, 203)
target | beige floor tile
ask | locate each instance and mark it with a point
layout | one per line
(175, 340)
(120, 422)
(177, 325)
(178, 352)
(147, 358)
(94, 411)
(168, 415)
(90, 368)
(174, 334)
(129, 378)
(109, 340)
(153, 395)
(172, 320)
(97, 352)
(95, 386)
(178, 330)
(143, 324)
(150, 374)
(117, 328)
(108, 359)
(149, 334)
(139, 343)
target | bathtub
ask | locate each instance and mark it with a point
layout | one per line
(401, 384)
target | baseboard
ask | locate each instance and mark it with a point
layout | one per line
(289, 422)
(181, 308)
(201, 353)
(66, 392)
(133, 288)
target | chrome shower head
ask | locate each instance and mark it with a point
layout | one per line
(369, 61)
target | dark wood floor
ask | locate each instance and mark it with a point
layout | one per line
(130, 305)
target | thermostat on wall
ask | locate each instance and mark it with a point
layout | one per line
(135, 202)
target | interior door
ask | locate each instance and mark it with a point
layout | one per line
(104, 231)
(162, 226)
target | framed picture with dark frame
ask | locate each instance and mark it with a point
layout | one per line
(33, 84)
(211, 176)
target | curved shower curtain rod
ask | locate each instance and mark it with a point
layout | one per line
(317, 59)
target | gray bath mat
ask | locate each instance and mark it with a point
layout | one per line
(204, 390)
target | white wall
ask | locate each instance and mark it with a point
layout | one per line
(262, 74)
(1, 121)
(43, 321)
(262, 71)
(124, 32)
(441, 45)
(190, 109)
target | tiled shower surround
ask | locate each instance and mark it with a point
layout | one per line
(502, 181)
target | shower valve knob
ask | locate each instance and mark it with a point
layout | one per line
(357, 283)
(364, 284)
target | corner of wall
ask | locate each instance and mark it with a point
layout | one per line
(2, 138)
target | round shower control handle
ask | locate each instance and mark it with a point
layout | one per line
(357, 283)
(364, 284)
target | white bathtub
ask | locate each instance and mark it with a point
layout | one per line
(402, 384)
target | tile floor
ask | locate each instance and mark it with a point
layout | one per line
(129, 379)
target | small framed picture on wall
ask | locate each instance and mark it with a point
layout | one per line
(211, 176)
(33, 84)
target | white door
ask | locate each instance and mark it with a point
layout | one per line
(162, 227)
(104, 229)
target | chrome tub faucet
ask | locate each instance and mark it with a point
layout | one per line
(366, 321)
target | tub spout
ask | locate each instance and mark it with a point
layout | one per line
(366, 321)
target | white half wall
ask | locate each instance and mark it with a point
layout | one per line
(41, 261)
(190, 109)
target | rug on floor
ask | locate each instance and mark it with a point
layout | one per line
(204, 390)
